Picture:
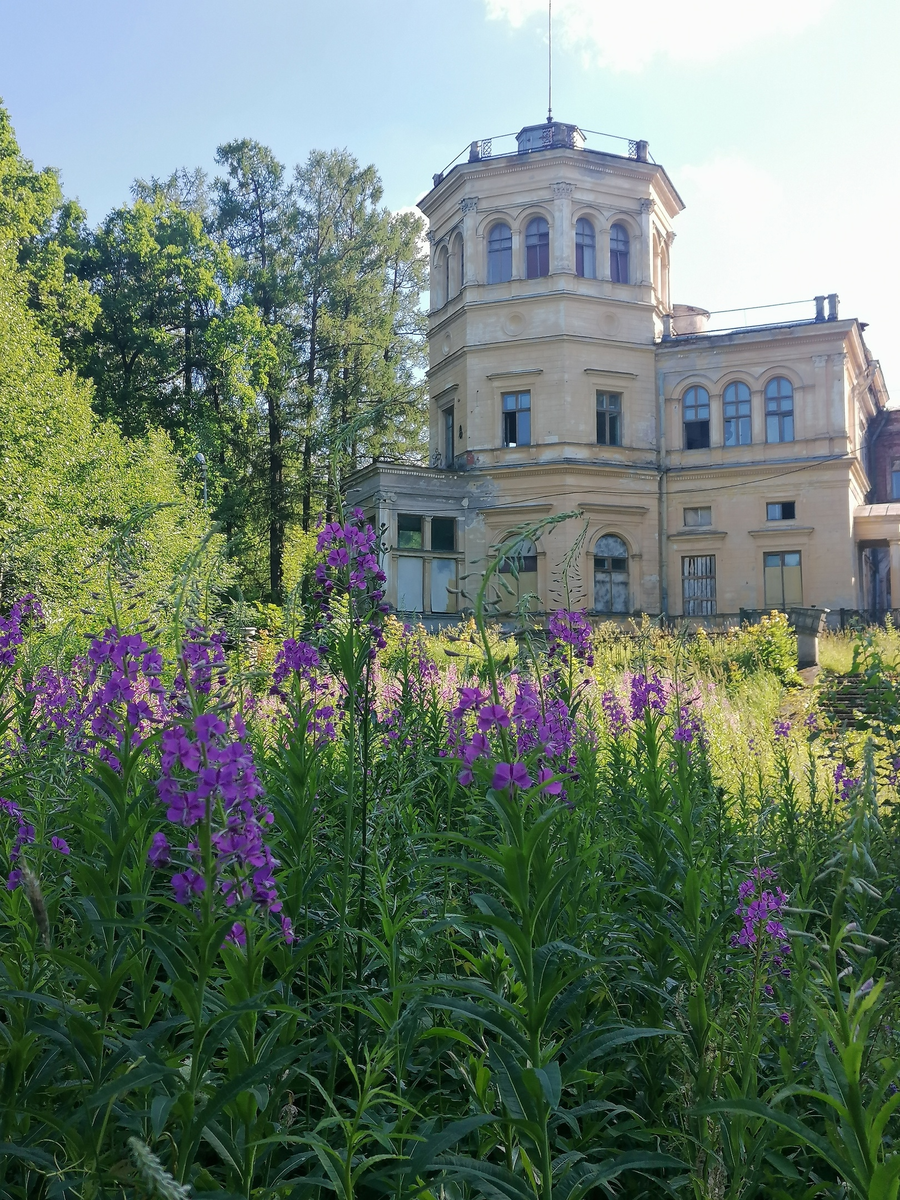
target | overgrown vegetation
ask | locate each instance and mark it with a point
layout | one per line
(373, 913)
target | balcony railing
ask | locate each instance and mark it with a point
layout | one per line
(504, 145)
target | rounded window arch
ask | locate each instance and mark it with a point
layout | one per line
(537, 248)
(611, 574)
(736, 414)
(779, 410)
(442, 277)
(696, 418)
(500, 253)
(619, 250)
(585, 249)
(458, 272)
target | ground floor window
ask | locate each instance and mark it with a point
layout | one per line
(518, 576)
(698, 585)
(783, 584)
(410, 579)
(443, 585)
(611, 592)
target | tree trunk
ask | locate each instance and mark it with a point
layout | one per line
(276, 499)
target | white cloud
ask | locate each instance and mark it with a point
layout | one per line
(685, 31)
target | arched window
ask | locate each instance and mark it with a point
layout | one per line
(500, 254)
(537, 248)
(779, 410)
(736, 411)
(611, 574)
(696, 419)
(518, 576)
(618, 254)
(442, 278)
(459, 263)
(585, 249)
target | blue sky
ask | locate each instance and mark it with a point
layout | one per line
(776, 119)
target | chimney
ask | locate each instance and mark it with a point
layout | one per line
(643, 152)
(475, 152)
(820, 308)
(833, 306)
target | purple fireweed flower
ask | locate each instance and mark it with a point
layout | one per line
(759, 910)
(615, 713)
(158, 854)
(237, 934)
(201, 661)
(784, 1018)
(187, 884)
(26, 609)
(845, 784)
(570, 629)
(491, 715)
(547, 783)
(782, 729)
(60, 844)
(510, 775)
(648, 694)
(24, 837)
(351, 569)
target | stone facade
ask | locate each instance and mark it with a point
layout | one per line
(705, 472)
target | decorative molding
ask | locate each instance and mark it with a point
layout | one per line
(510, 374)
(453, 387)
(469, 205)
(699, 535)
(795, 531)
(647, 205)
(589, 506)
(820, 360)
(563, 191)
(619, 374)
(670, 237)
(430, 236)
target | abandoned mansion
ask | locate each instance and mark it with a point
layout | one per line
(707, 470)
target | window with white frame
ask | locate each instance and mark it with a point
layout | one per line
(736, 413)
(585, 249)
(779, 410)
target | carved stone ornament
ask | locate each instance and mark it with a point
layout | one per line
(820, 360)
(430, 236)
(470, 204)
(562, 191)
(670, 237)
(647, 206)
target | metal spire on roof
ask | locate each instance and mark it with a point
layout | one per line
(549, 62)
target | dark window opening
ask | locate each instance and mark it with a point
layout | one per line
(448, 438)
(786, 510)
(443, 533)
(516, 419)
(609, 417)
(696, 419)
(409, 532)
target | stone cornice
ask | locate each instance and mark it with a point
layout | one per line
(793, 532)
(700, 534)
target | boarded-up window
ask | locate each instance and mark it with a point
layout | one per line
(783, 582)
(410, 593)
(443, 585)
(698, 585)
(518, 577)
(611, 592)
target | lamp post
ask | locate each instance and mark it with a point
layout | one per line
(200, 459)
